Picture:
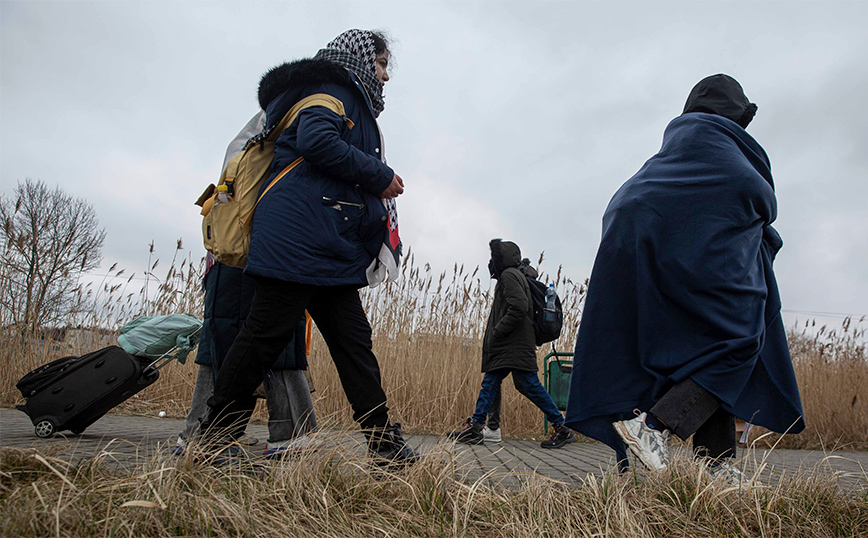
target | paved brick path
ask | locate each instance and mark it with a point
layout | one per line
(129, 438)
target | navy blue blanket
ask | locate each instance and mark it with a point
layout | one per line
(683, 286)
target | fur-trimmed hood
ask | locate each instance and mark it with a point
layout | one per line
(298, 74)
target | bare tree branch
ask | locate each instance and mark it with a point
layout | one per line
(48, 239)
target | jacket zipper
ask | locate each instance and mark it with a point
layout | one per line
(339, 203)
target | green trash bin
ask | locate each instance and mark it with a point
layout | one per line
(556, 379)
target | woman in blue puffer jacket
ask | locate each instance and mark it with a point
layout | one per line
(327, 228)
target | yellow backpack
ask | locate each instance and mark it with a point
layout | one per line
(226, 225)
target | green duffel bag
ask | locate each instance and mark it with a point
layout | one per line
(158, 336)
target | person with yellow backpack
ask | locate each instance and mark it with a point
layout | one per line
(323, 225)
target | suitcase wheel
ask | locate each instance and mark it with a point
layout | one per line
(45, 428)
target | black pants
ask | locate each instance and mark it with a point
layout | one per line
(688, 409)
(276, 309)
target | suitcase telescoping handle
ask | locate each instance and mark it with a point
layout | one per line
(170, 355)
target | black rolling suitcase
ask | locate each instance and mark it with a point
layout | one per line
(74, 392)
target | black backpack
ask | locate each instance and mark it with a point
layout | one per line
(544, 331)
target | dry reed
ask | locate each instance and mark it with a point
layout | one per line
(832, 370)
(338, 492)
(427, 336)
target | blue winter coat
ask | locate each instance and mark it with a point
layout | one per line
(323, 223)
(683, 287)
(228, 295)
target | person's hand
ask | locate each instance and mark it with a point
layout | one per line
(394, 189)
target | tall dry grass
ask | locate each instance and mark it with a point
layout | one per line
(831, 366)
(427, 336)
(338, 492)
(428, 332)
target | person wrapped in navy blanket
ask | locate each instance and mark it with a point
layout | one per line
(682, 322)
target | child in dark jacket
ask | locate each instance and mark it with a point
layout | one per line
(492, 433)
(508, 347)
(291, 417)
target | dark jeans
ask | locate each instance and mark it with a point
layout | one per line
(527, 383)
(494, 412)
(688, 409)
(277, 306)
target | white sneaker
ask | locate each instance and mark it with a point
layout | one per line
(649, 445)
(295, 446)
(728, 472)
(492, 436)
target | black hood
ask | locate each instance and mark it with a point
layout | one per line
(297, 75)
(721, 95)
(504, 254)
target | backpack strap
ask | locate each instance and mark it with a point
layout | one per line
(318, 99)
(526, 285)
(277, 178)
(525, 280)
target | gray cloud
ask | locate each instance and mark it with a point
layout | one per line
(516, 119)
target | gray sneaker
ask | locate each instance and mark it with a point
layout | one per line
(649, 445)
(491, 436)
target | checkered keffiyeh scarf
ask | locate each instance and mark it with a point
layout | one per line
(354, 50)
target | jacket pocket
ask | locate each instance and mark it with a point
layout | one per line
(344, 215)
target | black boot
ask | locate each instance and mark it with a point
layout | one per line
(388, 447)
(471, 434)
(561, 436)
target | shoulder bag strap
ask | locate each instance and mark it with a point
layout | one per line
(318, 99)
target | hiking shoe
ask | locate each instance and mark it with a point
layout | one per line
(727, 471)
(292, 447)
(491, 436)
(471, 434)
(388, 448)
(649, 445)
(560, 437)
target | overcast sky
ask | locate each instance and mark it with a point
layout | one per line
(505, 119)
